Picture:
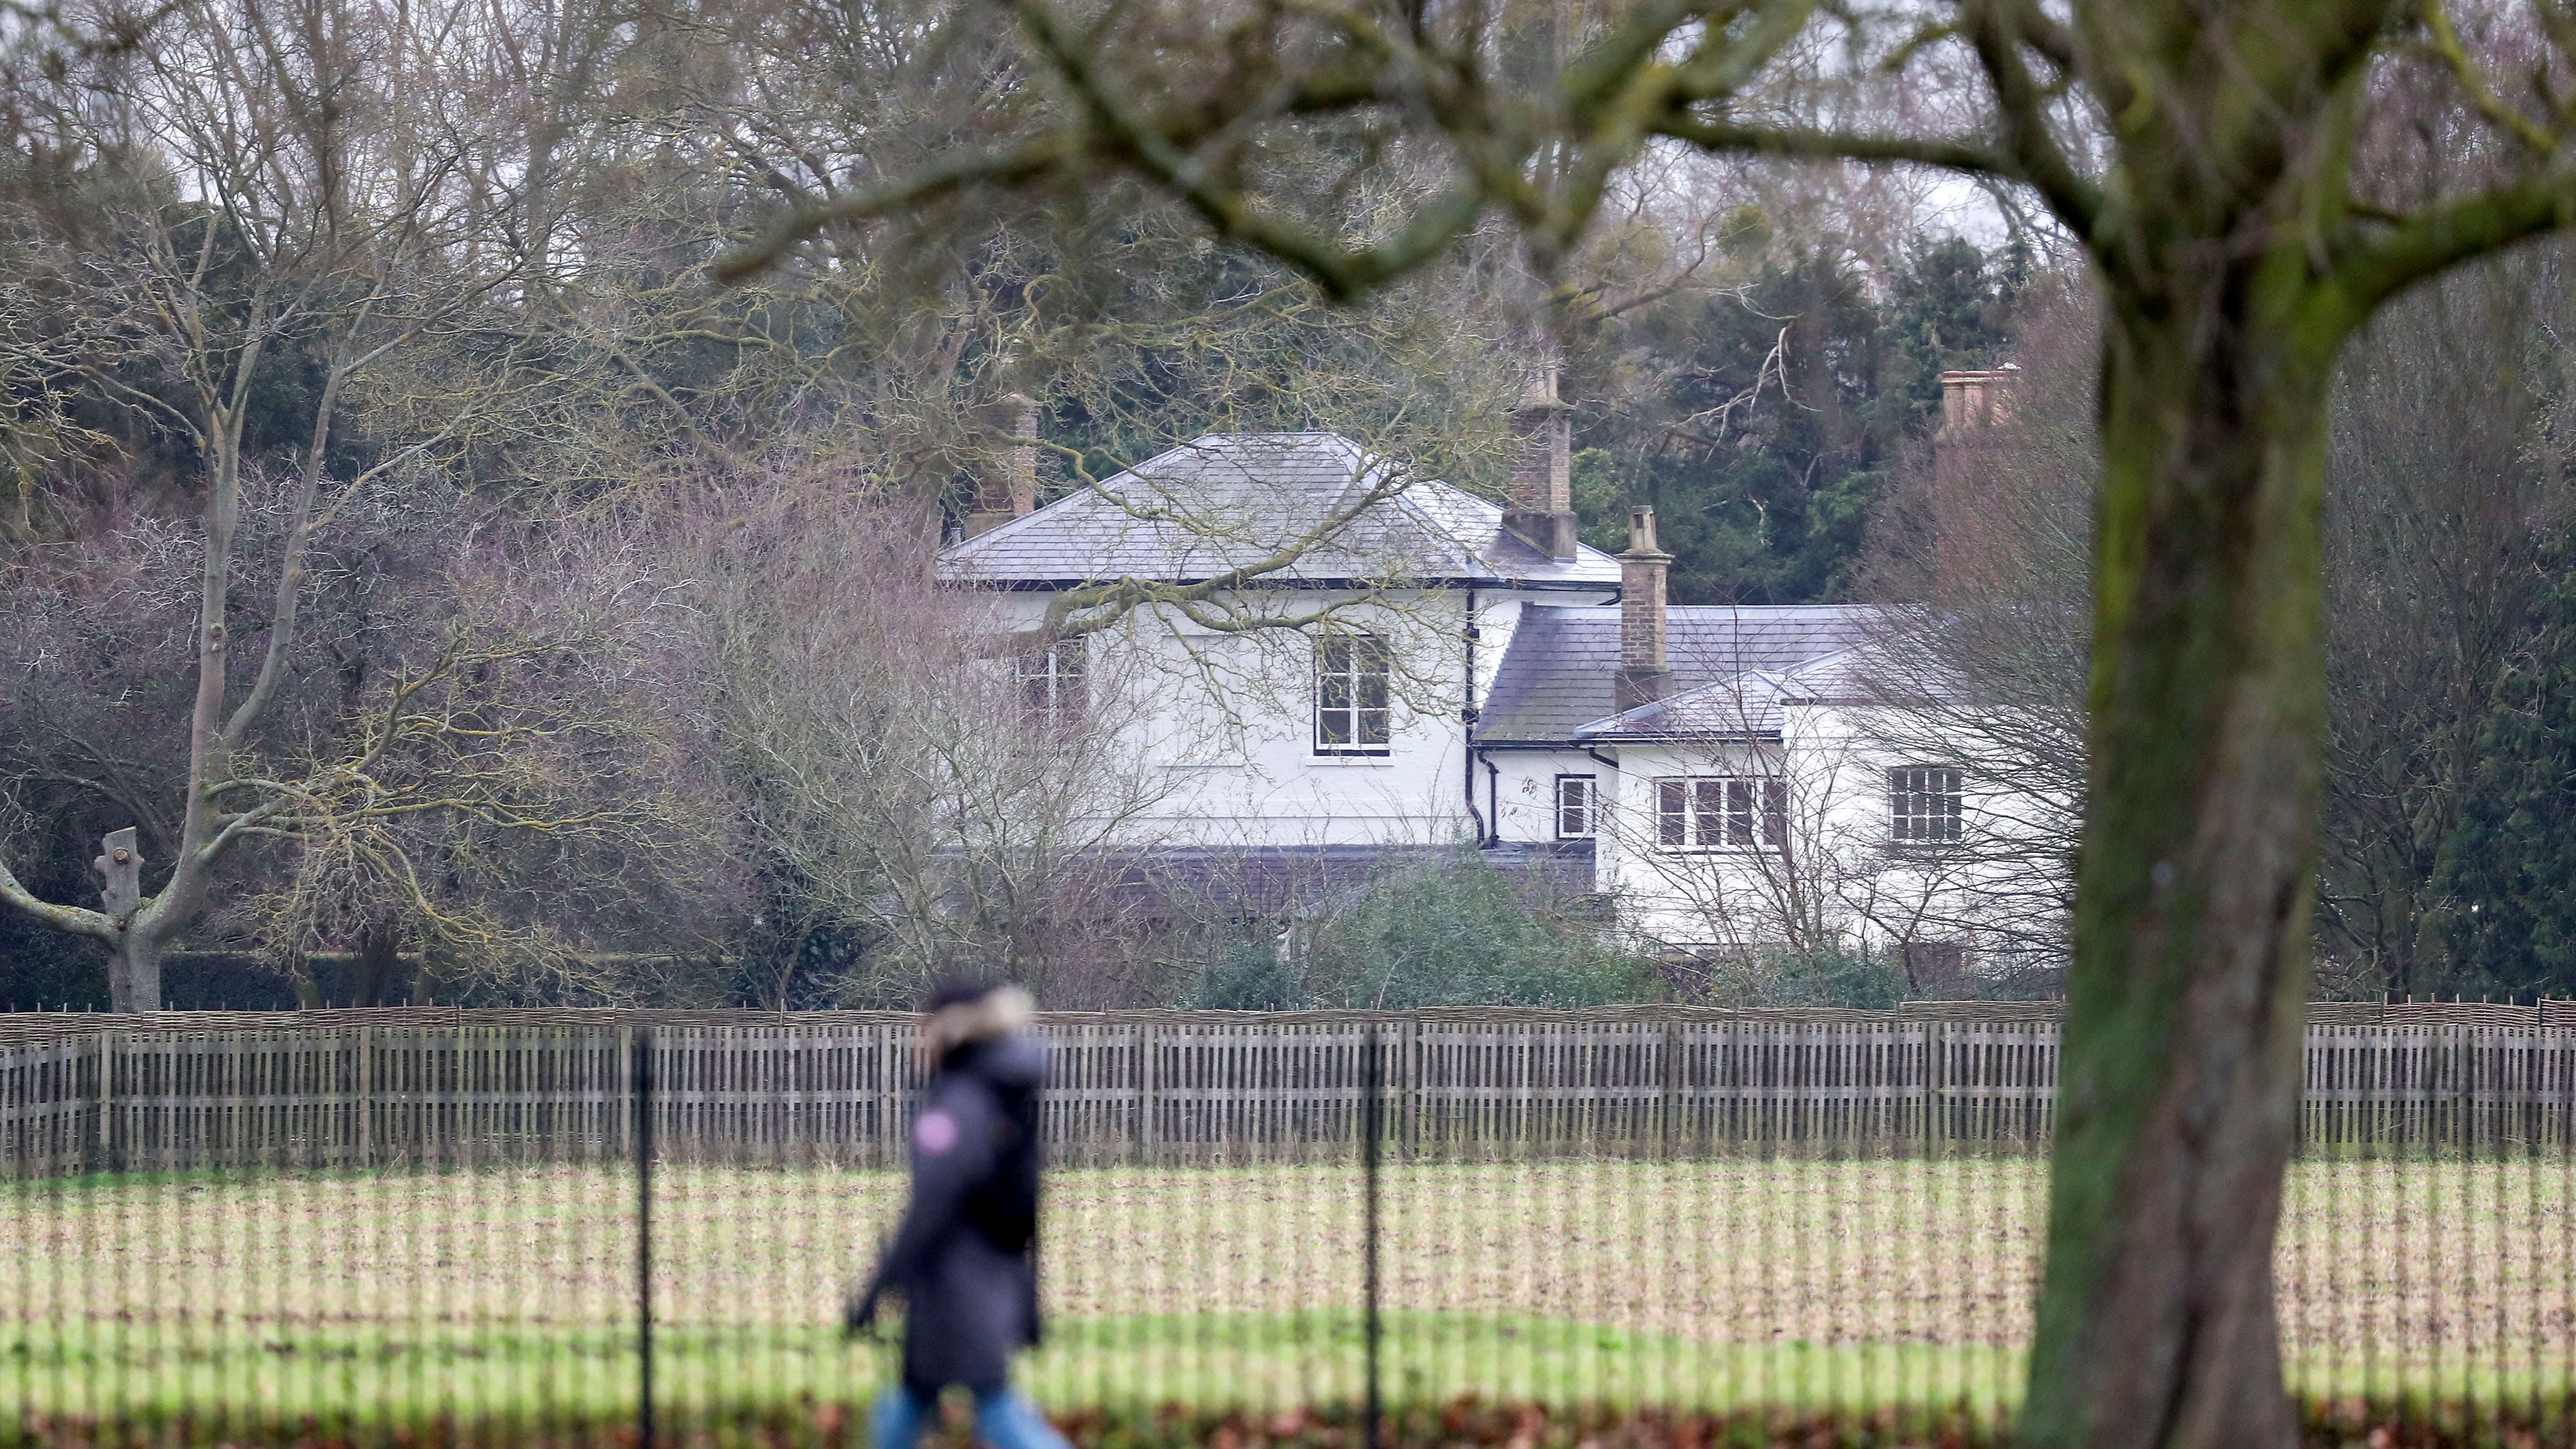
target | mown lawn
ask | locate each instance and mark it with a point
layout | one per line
(1265, 1362)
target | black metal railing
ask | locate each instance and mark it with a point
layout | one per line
(1353, 1229)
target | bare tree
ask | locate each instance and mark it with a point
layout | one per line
(256, 219)
(518, 801)
(926, 785)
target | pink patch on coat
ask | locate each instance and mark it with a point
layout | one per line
(935, 1133)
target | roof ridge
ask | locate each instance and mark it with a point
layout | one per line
(1359, 459)
(1195, 508)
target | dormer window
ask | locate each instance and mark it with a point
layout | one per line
(1351, 690)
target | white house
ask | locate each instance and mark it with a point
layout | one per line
(1327, 659)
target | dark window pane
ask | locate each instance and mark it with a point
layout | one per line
(1352, 709)
(1573, 807)
(1925, 803)
(1670, 811)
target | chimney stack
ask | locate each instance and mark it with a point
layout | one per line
(1541, 513)
(1007, 485)
(1972, 403)
(1643, 675)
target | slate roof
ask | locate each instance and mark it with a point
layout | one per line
(1745, 707)
(1554, 682)
(1228, 500)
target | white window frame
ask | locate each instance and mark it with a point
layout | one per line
(1747, 813)
(1588, 806)
(1926, 806)
(1055, 679)
(1351, 671)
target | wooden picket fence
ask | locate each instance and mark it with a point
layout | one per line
(176, 1090)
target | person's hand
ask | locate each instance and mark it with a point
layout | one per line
(859, 1314)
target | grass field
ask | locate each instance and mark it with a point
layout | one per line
(511, 1293)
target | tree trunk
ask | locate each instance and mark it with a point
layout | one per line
(134, 972)
(2180, 1079)
(372, 974)
(306, 984)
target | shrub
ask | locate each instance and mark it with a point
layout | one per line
(1456, 932)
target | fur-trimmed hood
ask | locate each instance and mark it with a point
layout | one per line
(997, 1013)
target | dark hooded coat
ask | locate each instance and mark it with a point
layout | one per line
(965, 1258)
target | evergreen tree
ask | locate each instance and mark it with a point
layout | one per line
(1782, 405)
(2509, 912)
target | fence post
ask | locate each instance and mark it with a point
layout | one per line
(1413, 1084)
(2455, 1047)
(106, 1101)
(1668, 1108)
(366, 1096)
(881, 1143)
(1145, 1092)
(643, 1112)
(1372, 1117)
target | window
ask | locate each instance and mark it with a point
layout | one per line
(1924, 804)
(1052, 679)
(1574, 807)
(1351, 715)
(1723, 813)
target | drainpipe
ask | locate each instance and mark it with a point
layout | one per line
(1467, 717)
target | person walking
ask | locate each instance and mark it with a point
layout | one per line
(965, 1258)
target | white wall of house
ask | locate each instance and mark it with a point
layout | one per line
(1227, 724)
(1834, 873)
(1229, 721)
(1523, 784)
